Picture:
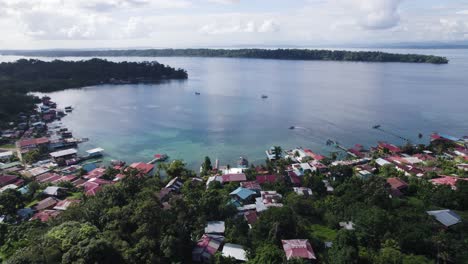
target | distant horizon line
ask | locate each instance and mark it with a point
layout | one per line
(408, 45)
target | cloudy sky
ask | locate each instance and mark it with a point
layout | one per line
(32, 24)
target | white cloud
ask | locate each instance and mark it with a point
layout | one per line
(266, 26)
(225, 2)
(462, 12)
(269, 26)
(375, 14)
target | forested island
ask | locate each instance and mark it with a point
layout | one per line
(19, 78)
(279, 54)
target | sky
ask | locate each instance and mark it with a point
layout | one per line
(47, 24)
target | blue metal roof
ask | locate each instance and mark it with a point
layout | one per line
(243, 193)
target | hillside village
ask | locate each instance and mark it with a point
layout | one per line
(407, 204)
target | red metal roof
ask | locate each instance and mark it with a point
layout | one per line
(252, 185)
(33, 142)
(294, 178)
(448, 180)
(96, 173)
(233, 177)
(392, 148)
(266, 179)
(315, 156)
(45, 215)
(397, 183)
(251, 217)
(298, 248)
(142, 167)
(7, 179)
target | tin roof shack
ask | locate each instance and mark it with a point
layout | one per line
(65, 204)
(446, 217)
(385, 147)
(8, 179)
(448, 180)
(47, 203)
(142, 167)
(234, 251)
(397, 186)
(206, 248)
(215, 227)
(61, 156)
(32, 143)
(55, 191)
(45, 215)
(243, 195)
(298, 248)
(6, 156)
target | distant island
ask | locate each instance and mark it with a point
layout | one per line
(18, 79)
(279, 54)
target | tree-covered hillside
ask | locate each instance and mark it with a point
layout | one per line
(280, 54)
(24, 76)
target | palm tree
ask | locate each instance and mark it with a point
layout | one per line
(277, 151)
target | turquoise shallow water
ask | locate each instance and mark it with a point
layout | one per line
(337, 100)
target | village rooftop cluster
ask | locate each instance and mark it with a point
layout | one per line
(44, 152)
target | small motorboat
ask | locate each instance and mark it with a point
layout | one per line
(68, 109)
(197, 93)
(292, 127)
(376, 126)
(264, 96)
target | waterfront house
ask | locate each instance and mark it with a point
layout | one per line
(94, 153)
(142, 167)
(64, 154)
(298, 248)
(25, 145)
(234, 251)
(446, 217)
(206, 248)
(313, 155)
(397, 186)
(386, 147)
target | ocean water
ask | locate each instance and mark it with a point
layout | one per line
(323, 100)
